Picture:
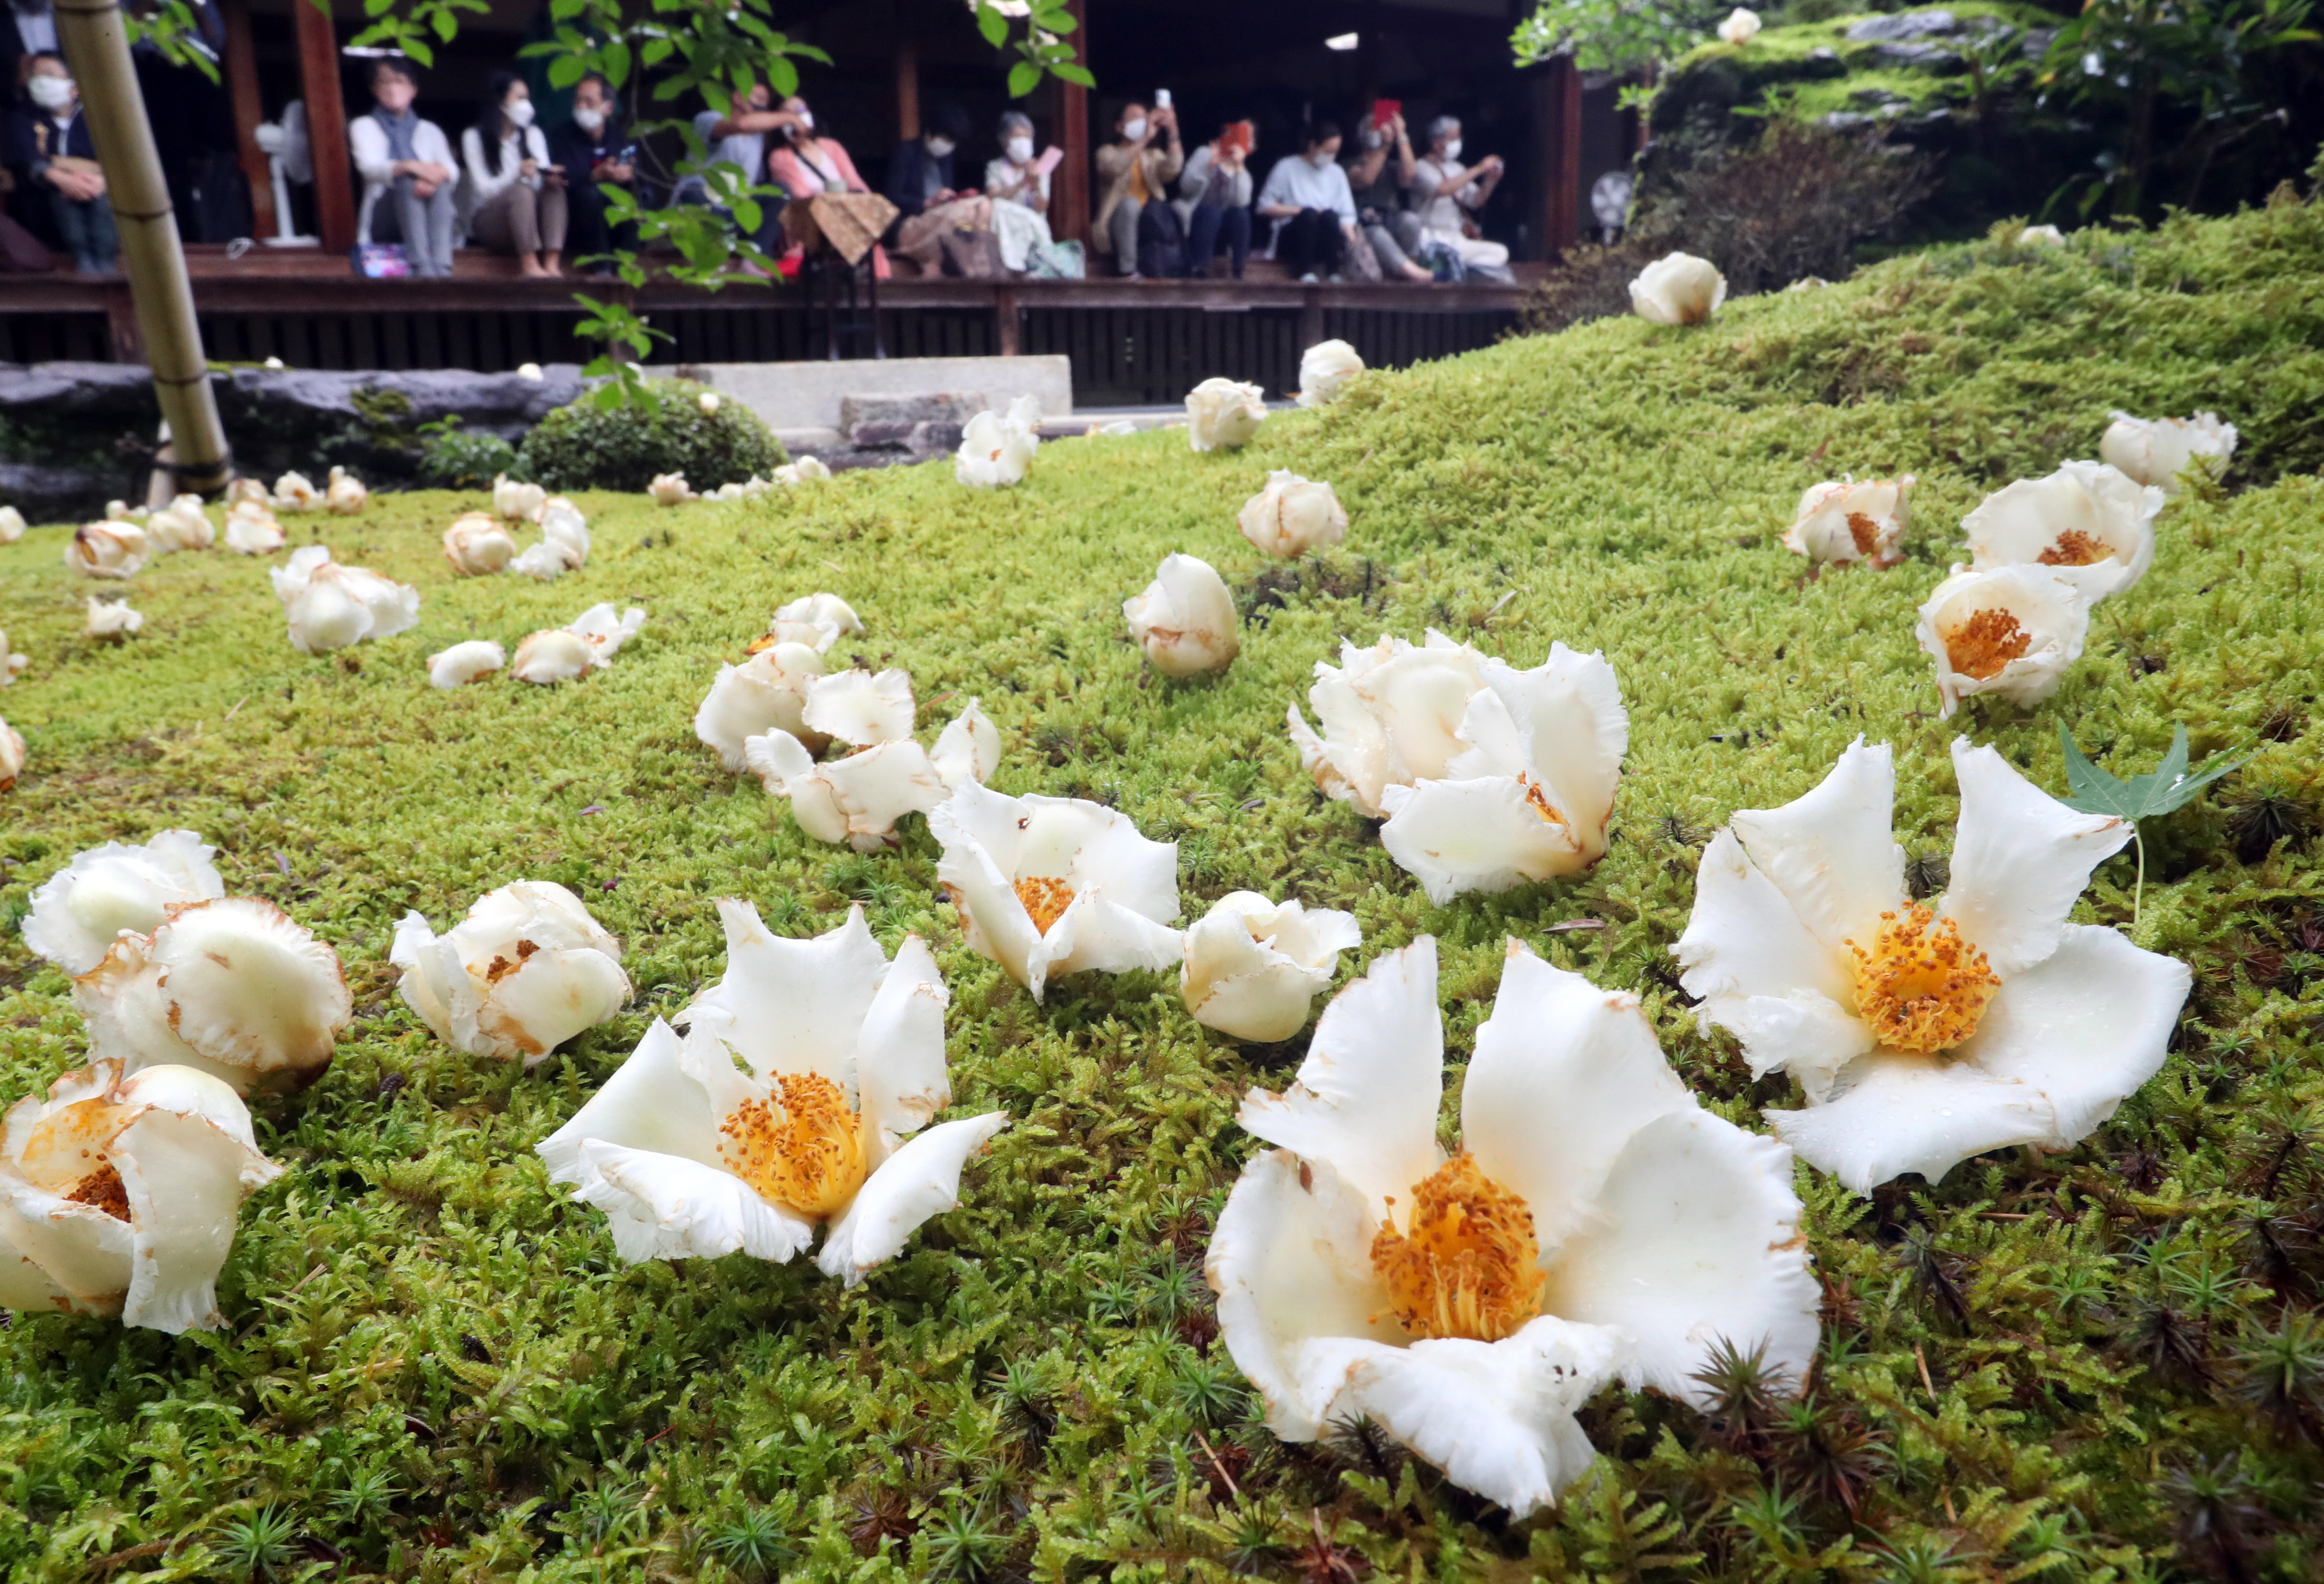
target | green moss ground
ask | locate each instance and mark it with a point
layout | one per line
(2044, 1368)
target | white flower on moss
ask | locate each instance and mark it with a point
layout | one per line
(1741, 27)
(2161, 451)
(248, 491)
(669, 489)
(345, 494)
(525, 971)
(181, 526)
(708, 401)
(1050, 886)
(1922, 1033)
(1185, 620)
(517, 502)
(806, 470)
(78, 911)
(563, 526)
(107, 550)
(1324, 370)
(12, 524)
(12, 755)
(120, 1194)
(605, 631)
(10, 663)
(111, 620)
(589, 643)
(1292, 516)
(465, 662)
(996, 450)
(330, 606)
(2090, 523)
(767, 692)
(2011, 631)
(1844, 520)
(1596, 1222)
(478, 545)
(792, 1099)
(251, 529)
(819, 621)
(231, 986)
(293, 493)
(859, 798)
(1678, 289)
(2042, 236)
(1223, 414)
(1251, 968)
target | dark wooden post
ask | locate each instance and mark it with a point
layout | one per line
(326, 125)
(1557, 138)
(907, 90)
(242, 83)
(1069, 195)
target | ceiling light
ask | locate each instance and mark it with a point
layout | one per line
(1340, 41)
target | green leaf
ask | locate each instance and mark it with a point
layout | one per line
(378, 7)
(447, 26)
(1060, 22)
(656, 51)
(1023, 79)
(416, 50)
(566, 9)
(1078, 75)
(617, 63)
(992, 25)
(566, 70)
(2169, 786)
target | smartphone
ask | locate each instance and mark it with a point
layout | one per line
(1161, 98)
(1384, 111)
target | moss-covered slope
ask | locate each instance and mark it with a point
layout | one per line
(436, 1369)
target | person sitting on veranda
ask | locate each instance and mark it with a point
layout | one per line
(920, 185)
(1308, 197)
(1215, 192)
(737, 136)
(1136, 171)
(1442, 187)
(1379, 175)
(593, 152)
(1018, 187)
(516, 192)
(410, 183)
(52, 156)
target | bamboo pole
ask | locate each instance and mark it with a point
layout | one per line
(96, 46)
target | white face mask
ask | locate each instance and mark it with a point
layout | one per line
(588, 120)
(1132, 131)
(51, 92)
(1319, 159)
(940, 146)
(807, 121)
(1020, 151)
(519, 113)
(1453, 149)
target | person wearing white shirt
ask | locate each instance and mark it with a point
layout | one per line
(515, 194)
(408, 161)
(1308, 197)
(1020, 190)
(1442, 187)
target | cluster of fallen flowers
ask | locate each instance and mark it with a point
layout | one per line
(671, 490)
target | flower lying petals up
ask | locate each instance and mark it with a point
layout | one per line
(78, 911)
(819, 620)
(587, 643)
(478, 545)
(1678, 289)
(791, 1099)
(1844, 522)
(230, 987)
(2161, 451)
(1252, 967)
(2011, 631)
(464, 662)
(1292, 516)
(806, 470)
(1049, 886)
(524, 972)
(859, 798)
(111, 620)
(767, 692)
(1596, 1222)
(107, 550)
(1922, 1033)
(345, 494)
(997, 449)
(120, 1192)
(1222, 414)
(330, 606)
(1185, 619)
(1324, 370)
(669, 489)
(2092, 524)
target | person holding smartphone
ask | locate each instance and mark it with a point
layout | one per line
(1137, 169)
(1379, 175)
(515, 194)
(1442, 187)
(592, 152)
(1017, 183)
(1215, 189)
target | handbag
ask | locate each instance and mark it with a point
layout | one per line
(1056, 261)
(973, 256)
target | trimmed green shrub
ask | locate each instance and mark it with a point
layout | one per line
(584, 445)
(453, 458)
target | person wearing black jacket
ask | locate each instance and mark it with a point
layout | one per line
(592, 148)
(50, 152)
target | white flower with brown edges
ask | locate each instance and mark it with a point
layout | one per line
(1292, 516)
(796, 1098)
(1923, 1033)
(1184, 620)
(330, 607)
(2162, 452)
(107, 550)
(78, 911)
(525, 971)
(859, 797)
(1324, 370)
(1595, 1222)
(1253, 966)
(2091, 525)
(1678, 289)
(1223, 414)
(2011, 631)
(1843, 521)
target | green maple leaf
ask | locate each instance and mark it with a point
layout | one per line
(2169, 786)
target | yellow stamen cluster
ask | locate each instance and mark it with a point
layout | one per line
(104, 1190)
(1981, 646)
(808, 1155)
(1921, 986)
(1045, 899)
(2075, 548)
(1471, 1265)
(1864, 531)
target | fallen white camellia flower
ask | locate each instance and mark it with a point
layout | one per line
(1324, 370)
(181, 526)
(1292, 516)
(251, 529)
(2090, 523)
(2042, 236)
(12, 524)
(2161, 451)
(858, 799)
(346, 494)
(708, 401)
(1251, 967)
(818, 621)
(231, 986)
(789, 1101)
(669, 489)
(767, 692)
(525, 971)
(564, 545)
(1678, 289)
(604, 630)
(2011, 631)
(806, 470)
(478, 545)
(464, 662)
(330, 607)
(120, 1195)
(997, 449)
(1185, 620)
(531, 371)
(589, 643)
(1741, 27)
(293, 493)
(10, 665)
(518, 503)
(1222, 414)
(12, 755)
(107, 550)
(1923, 1034)
(1843, 522)
(78, 911)
(111, 619)
(248, 490)
(1597, 1222)
(1050, 886)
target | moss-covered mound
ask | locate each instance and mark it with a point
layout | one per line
(2104, 1364)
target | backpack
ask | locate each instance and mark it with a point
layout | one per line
(1161, 242)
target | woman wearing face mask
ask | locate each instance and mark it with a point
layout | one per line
(593, 152)
(50, 151)
(1442, 187)
(1137, 168)
(920, 185)
(1018, 187)
(806, 164)
(1214, 198)
(515, 195)
(1379, 175)
(1308, 197)
(406, 164)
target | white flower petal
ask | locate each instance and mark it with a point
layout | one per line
(1480, 835)
(1324, 370)
(2020, 858)
(1832, 851)
(604, 632)
(1805, 1034)
(23, 1283)
(831, 617)
(552, 655)
(901, 1077)
(786, 1005)
(77, 1246)
(519, 503)
(186, 1180)
(1745, 939)
(1894, 1113)
(650, 1104)
(1223, 414)
(552, 996)
(666, 1206)
(874, 788)
(1097, 934)
(1185, 620)
(77, 911)
(767, 692)
(1678, 289)
(1252, 968)
(2082, 509)
(920, 1179)
(979, 832)
(857, 708)
(967, 750)
(2161, 451)
(464, 662)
